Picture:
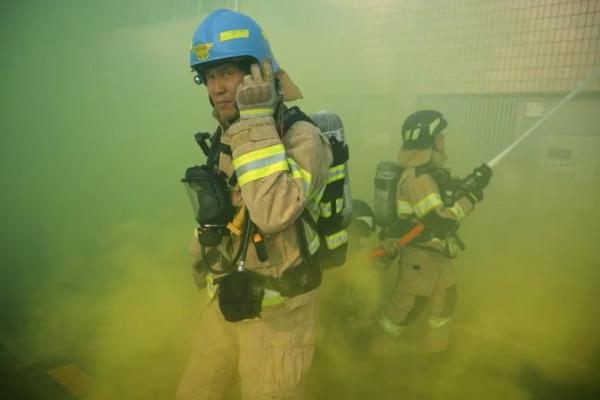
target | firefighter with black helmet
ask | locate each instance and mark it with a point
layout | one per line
(426, 194)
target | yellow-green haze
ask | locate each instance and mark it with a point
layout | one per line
(98, 114)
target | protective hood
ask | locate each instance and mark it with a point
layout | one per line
(289, 90)
(409, 158)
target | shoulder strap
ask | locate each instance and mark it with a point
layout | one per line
(424, 169)
(212, 159)
(290, 117)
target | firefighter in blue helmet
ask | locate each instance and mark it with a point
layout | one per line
(271, 167)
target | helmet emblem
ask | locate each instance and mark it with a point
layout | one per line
(201, 50)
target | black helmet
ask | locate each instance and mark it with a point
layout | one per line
(419, 129)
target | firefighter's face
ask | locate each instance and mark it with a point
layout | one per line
(222, 82)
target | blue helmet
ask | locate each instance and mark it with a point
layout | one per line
(226, 34)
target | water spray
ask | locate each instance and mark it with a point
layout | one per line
(582, 84)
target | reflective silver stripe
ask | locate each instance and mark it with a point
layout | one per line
(337, 239)
(259, 154)
(263, 162)
(389, 326)
(260, 163)
(438, 322)
(403, 208)
(428, 203)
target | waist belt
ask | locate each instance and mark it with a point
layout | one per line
(295, 281)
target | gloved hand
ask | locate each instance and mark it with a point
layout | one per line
(256, 95)
(390, 246)
(474, 184)
(482, 176)
(391, 249)
(475, 195)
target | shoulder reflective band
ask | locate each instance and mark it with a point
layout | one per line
(457, 211)
(428, 203)
(300, 173)
(260, 163)
(337, 239)
(403, 208)
(336, 173)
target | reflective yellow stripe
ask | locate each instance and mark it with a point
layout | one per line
(314, 201)
(457, 210)
(313, 209)
(325, 209)
(211, 287)
(257, 155)
(272, 298)
(337, 239)
(427, 204)
(256, 111)
(262, 172)
(403, 208)
(336, 173)
(339, 204)
(260, 163)
(234, 34)
(298, 172)
(315, 243)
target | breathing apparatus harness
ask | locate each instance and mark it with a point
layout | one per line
(336, 203)
(241, 291)
(451, 188)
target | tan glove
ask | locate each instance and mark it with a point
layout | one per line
(390, 246)
(256, 95)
